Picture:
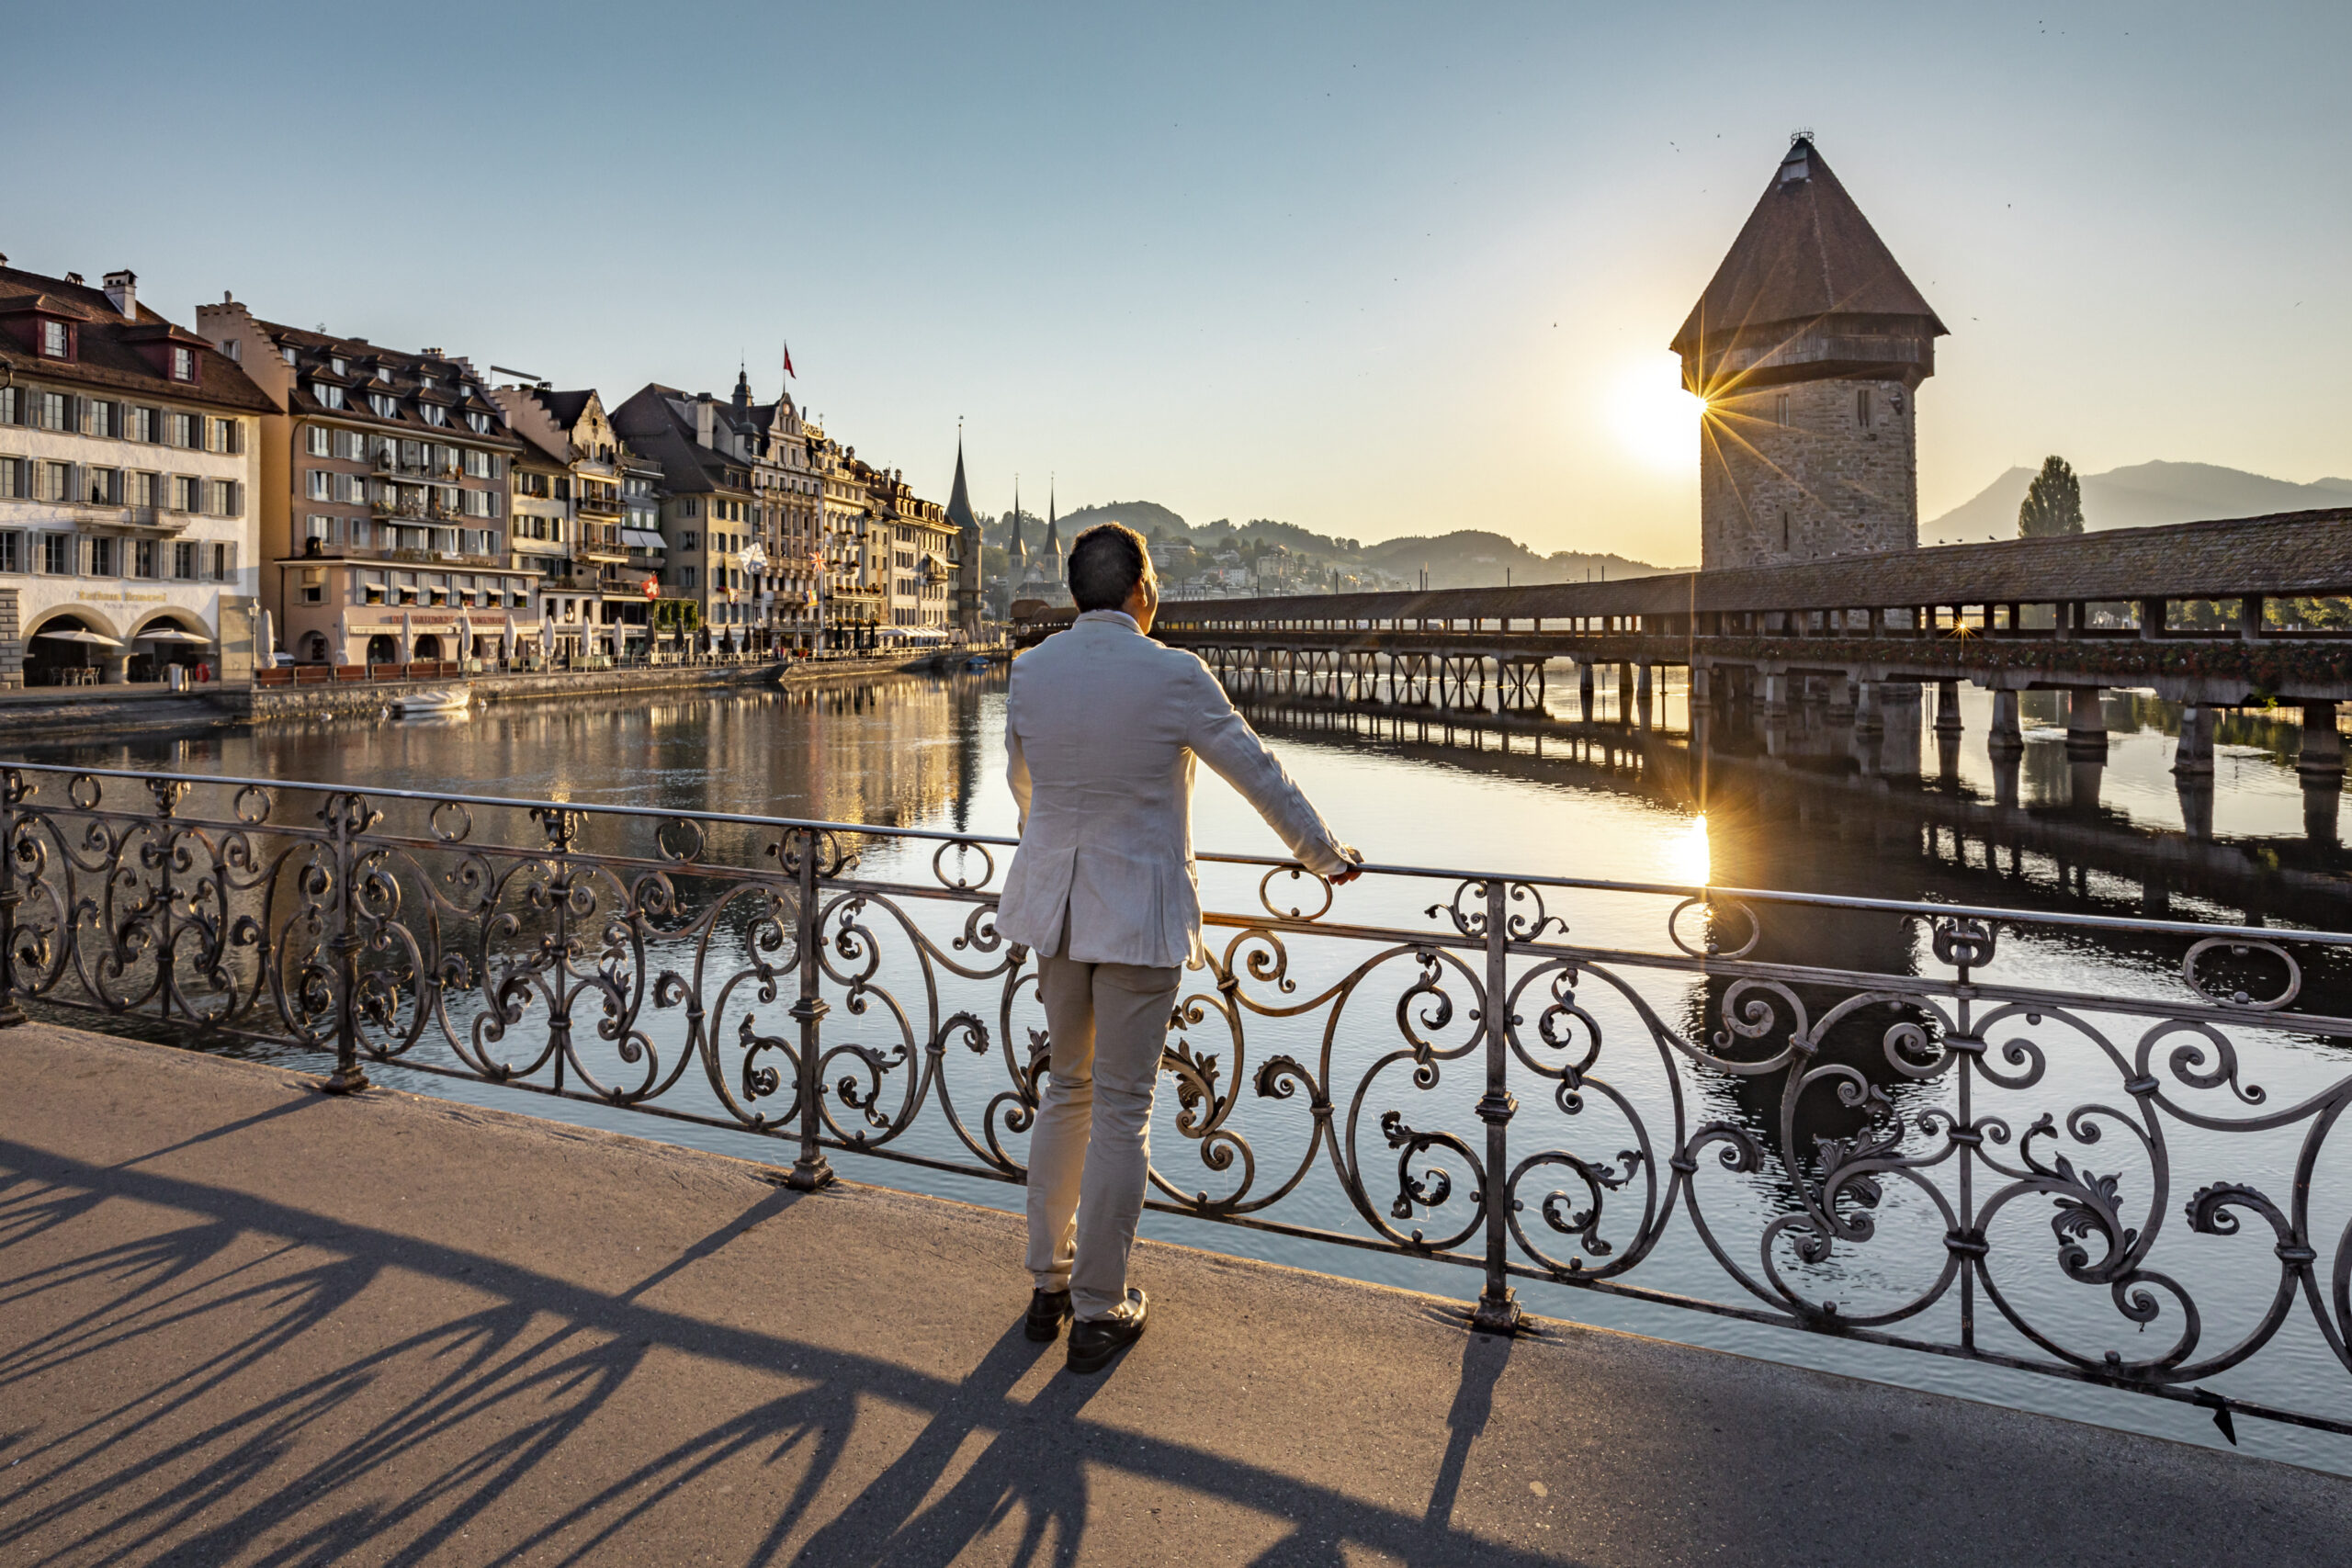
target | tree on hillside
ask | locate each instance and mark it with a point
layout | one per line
(2054, 502)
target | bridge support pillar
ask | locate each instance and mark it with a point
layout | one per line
(2085, 724)
(1948, 707)
(1844, 701)
(1702, 689)
(2007, 767)
(1645, 694)
(2194, 756)
(1776, 691)
(2085, 773)
(1624, 694)
(2323, 752)
(2006, 739)
(1870, 717)
(1584, 692)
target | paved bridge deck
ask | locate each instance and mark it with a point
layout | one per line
(249, 1324)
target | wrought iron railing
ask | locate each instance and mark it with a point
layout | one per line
(2029, 1139)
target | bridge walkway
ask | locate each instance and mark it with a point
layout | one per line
(247, 1322)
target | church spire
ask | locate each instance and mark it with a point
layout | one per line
(1016, 553)
(1052, 533)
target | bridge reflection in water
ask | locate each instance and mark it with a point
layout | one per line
(2091, 1146)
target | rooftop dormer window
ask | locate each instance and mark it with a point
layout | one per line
(383, 373)
(384, 405)
(425, 382)
(183, 364)
(342, 365)
(435, 414)
(289, 352)
(480, 422)
(329, 397)
(56, 341)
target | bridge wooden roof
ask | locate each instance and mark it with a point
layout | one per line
(2295, 553)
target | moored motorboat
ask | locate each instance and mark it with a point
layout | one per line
(432, 700)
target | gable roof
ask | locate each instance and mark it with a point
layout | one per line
(107, 346)
(1807, 252)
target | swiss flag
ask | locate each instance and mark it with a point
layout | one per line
(787, 361)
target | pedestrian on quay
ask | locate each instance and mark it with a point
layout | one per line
(1102, 728)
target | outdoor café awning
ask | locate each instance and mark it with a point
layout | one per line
(78, 635)
(639, 539)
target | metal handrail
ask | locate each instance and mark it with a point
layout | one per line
(686, 962)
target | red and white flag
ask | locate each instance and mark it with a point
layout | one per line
(787, 361)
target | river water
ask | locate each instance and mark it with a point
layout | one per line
(1796, 806)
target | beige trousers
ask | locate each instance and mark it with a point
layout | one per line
(1090, 1153)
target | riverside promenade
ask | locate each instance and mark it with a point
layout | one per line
(246, 1323)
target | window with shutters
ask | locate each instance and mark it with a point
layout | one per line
(222, 561)
(186, 496)
(322, 484)
(100, 417)
(139, 424)
(105, 559)
(184, 561)
(49, 410)
(102, 486)
(12, 552)
(318, 441)
(143, 558)
(143, 489)
(320, 528)
(14, 483)
(228, 436)
(57, 554)
(54, 481)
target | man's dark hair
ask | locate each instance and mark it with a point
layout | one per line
(1105, 565)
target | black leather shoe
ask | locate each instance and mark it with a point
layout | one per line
(1047, 1310)
(1093, 1341)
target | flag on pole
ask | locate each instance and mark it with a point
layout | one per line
(787, 361)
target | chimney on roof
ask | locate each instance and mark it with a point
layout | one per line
(122, 292)
(703, 413)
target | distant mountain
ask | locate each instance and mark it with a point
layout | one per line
(1471, 557)
(2141, 496)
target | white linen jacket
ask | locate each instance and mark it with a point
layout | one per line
(1101, 725)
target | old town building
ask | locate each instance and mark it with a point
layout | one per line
(383, 513)
(852, 548)
(598, 607)
(785, 517)
(130, 470)
(705, 511)
(918, 546)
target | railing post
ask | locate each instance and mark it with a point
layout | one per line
(345, 812)
(810, 1171)
(10, 1013)
(1498, 1310)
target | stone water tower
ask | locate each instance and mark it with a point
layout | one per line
(1809, 346)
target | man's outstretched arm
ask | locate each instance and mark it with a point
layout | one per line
(1220, 736)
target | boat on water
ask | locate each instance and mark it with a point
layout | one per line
(434, 700)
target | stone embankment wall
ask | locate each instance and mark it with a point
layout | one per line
(371, 698)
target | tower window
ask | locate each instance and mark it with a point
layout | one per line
(1862, 407)
(1784, 530)
(1781, 409)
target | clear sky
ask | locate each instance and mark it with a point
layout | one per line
(1373, 270)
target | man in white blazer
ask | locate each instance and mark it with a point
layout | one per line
(1101, 725)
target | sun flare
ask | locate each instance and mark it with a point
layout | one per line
(1685, 854)
(1654, 419)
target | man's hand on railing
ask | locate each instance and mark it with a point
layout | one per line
(1355, 857)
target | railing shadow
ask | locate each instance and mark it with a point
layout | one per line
(288, 1443)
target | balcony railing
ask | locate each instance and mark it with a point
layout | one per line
(2100, 1149)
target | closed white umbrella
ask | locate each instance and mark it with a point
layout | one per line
(342, 638)
(265, 651)
(407, 636)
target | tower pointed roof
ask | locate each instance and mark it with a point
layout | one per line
(1805, 253)
(1017, 552)
(959, 500)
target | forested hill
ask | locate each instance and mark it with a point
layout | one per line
(1468, 558)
